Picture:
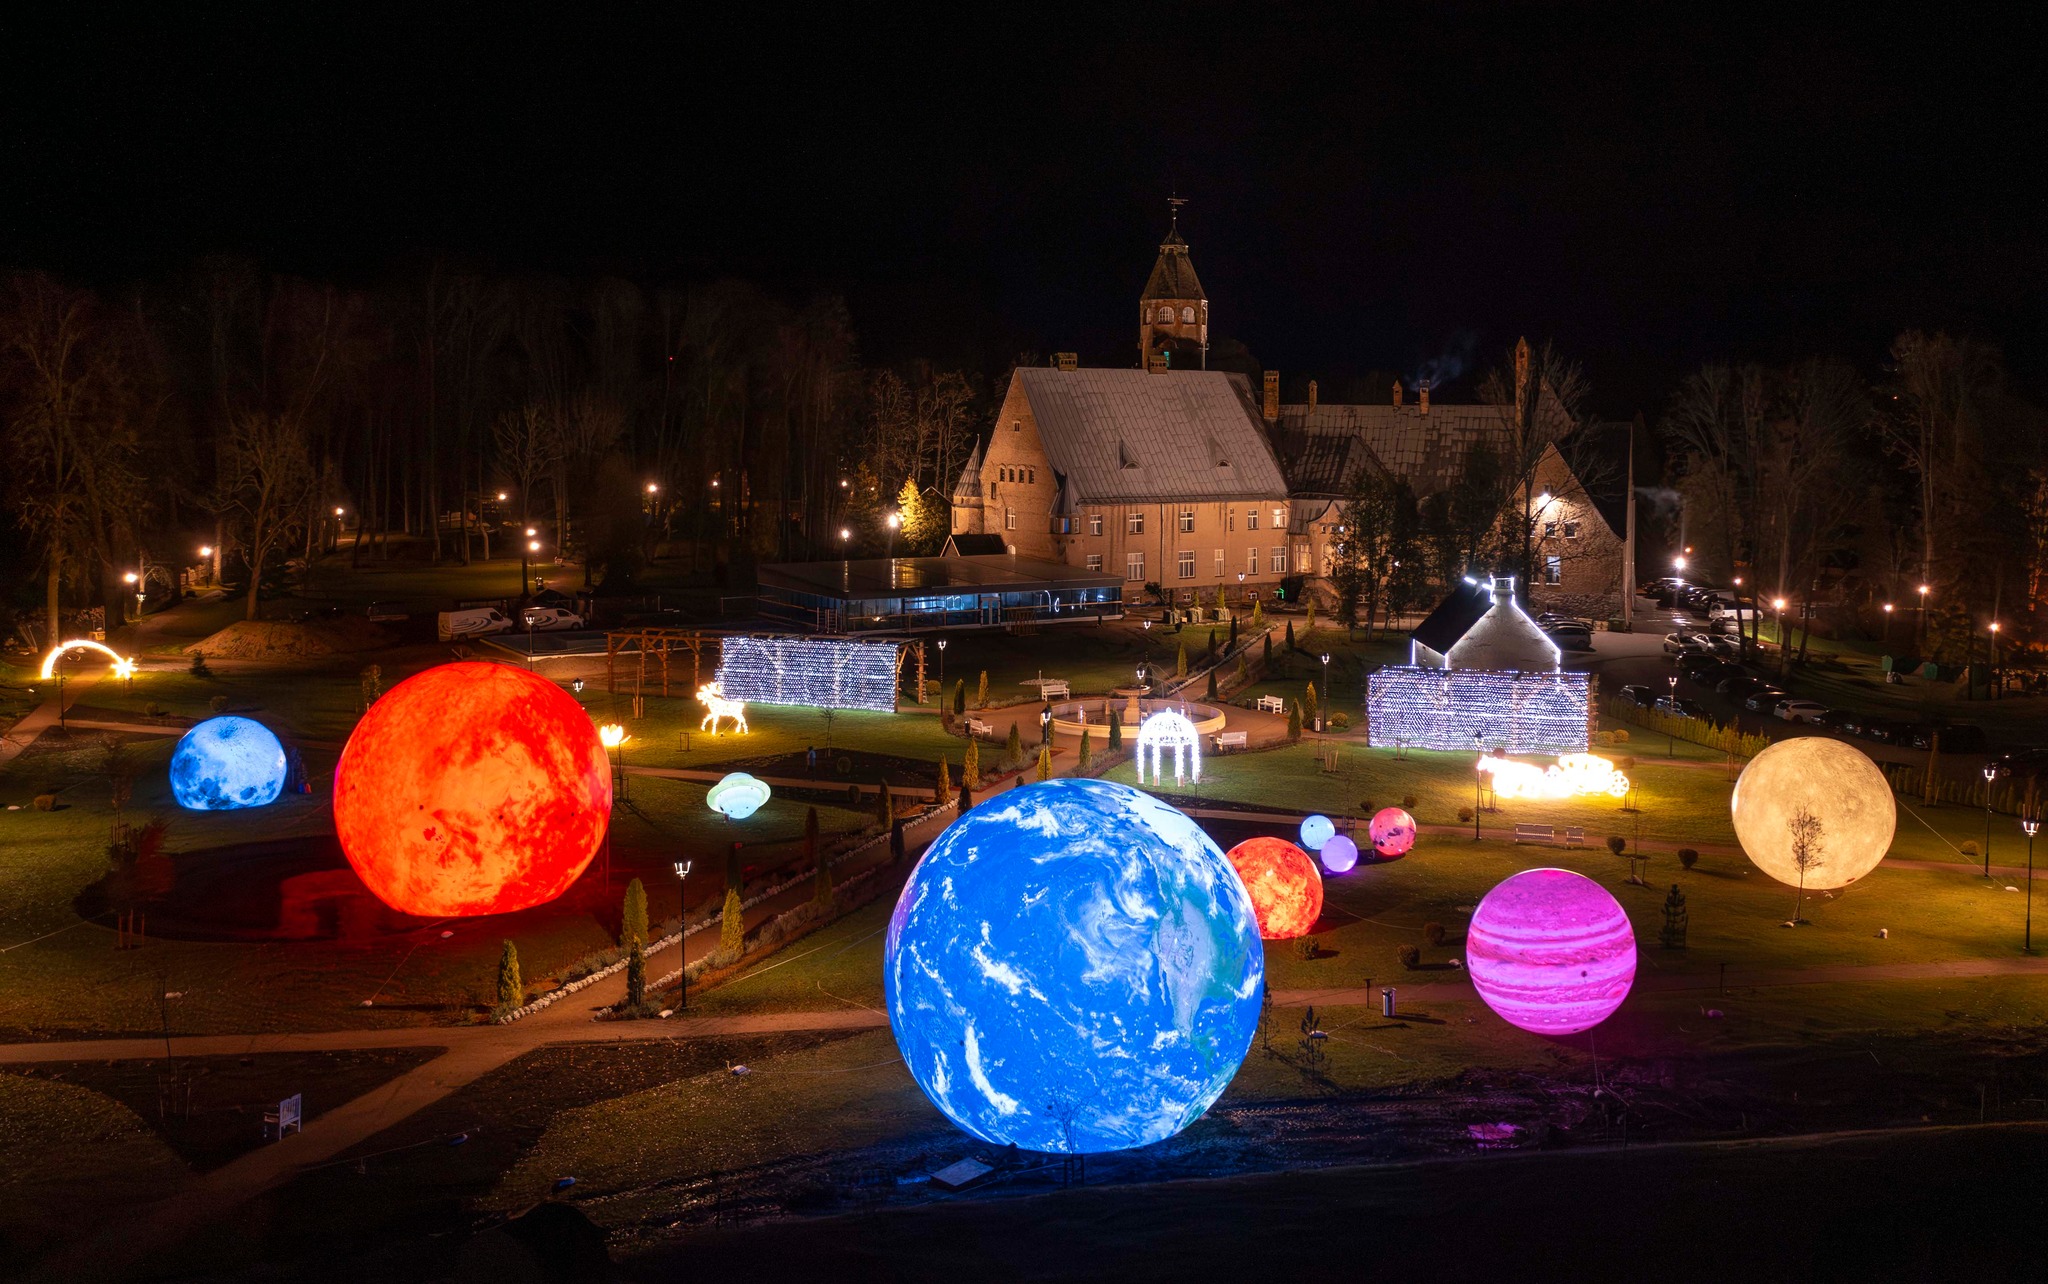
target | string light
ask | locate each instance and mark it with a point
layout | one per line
(1427, 708)
(1169, 730)
(1573, 775)
(816, 673)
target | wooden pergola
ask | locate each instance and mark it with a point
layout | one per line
(660, 642)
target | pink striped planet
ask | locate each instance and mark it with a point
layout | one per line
(1551, 951)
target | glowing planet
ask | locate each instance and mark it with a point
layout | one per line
(1818, 794)
(738, 796)
(1287, 890)
(1073, 967)
(226, 763)
(1393, 833)
(472, 789)
(1315, 831)
(1339, 854)
(1551, 951)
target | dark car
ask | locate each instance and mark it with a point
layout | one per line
(1884, 732)
(1738, 688)
(1720, 672)
(1696, 668)
(1839, 720)
(1639, 694)
(1683, 707)
(1723, 646)
(1763, 699)
(1955, 737)
(2021, 764)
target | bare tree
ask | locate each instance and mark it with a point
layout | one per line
(1540, 398)
(1936, 396)
(266, 481)
(1809, 852)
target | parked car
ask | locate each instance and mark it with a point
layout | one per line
(1571, 639)
(1681, 707)
(1732, 613)
(1839, 720)
(1798, 710)
(1883, 731)
(1738, 688)
(1676, 642)
(1720, 671)
(474, 623)
(1723, 646)
(1698, 668)
(1955, 737)
(1638, 694)
(1763, 699)
(2022, 764)
(549, 619)
(383, 612)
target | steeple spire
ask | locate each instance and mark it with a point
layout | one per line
(1172, 310)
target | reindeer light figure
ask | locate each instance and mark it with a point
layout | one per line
(720, 707)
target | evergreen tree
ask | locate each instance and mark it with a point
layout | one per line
(959, 697)
(970, 767)
(732, 927)
(923, 523)
(1294, 721)
(1212, 683)
(1220, 606)
(511, 989)
(1116, 732)
(633, 921)
(1258, 615)
(1311, 600)
(981, 692)
(1013, 749)
(1045, 762)
(1241, 674)
(1310, 700)
(636, 975)
(821, 882)
(1290, 637)
(885, 807)
(1087, 752)
(1180, 667)
(1212, 644)
(1266, 649)
(944, 793)
(1672, 935)
(1233, 626)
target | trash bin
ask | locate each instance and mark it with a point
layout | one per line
(1387, 1001)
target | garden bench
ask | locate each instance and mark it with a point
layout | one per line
(1545, 834)
(1229, 740)
(1575, 836)
(1272, 704)
(980, 730)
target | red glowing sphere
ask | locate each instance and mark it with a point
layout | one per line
(1286, 888)
(1393, 833)
(472, 789)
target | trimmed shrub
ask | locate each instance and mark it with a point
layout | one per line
(1087, 751)
(885, 807)
(633, 916)
(219, 704)
(981, 692)
(1617, 844)
(1045, 762)
(1464, 815)
(1620, 735)
(1338, 722)
(1433, 933)
(1687, 857)
(1116, 732)
(1411, 957)
(959, 697)
(1294, 721)
(1290, 637)
(1970, 848)
(1180, 664)
(636, 976)
(943, 793)
(1212, 684)
(1013, 749)
(970, 767)
(46, 802)
(1408, 801)
(511, 989)
(198, 668)
(732, 928)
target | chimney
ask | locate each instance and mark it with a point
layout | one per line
(1158, 363)
(1311, 396)
(1422, 397)
(1397, 394)
(1065, 361)
(1272, 396)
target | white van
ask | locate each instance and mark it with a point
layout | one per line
(475, 623)
(546, 619)
(1732, 613)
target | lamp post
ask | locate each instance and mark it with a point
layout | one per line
(1670, 748)
(682, 868)
(895, 521)
(1325, 658)
(1045, 724)
(1885, 638)
(1478, 780)
(2031, 824)
(1784, 652)
(613, 737)
(942, 670)
(1990, 774)
(1994, 659)
(1922, 645)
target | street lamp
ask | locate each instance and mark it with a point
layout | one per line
(613, 737)
(2031, 824)
(1045, 724)
(895, 521)
(1994, 659)
(1326, 687)
(1923, 621)
(942, 670)
(1778, 605)
(682, 868)
(1886, 638)
(1670, 746)
(1990, 774)
(1478, 781)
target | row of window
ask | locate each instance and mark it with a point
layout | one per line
(1029, 476)
(1571, 529)
(1134, 522)
(1187, 315)
(1276, 562)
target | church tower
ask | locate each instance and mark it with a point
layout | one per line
(1173, 313)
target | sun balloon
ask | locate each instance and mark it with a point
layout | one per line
(472, 789)
(1814, 799)
(1287, 892)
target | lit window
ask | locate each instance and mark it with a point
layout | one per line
(1301, 559)
(1134, 566)
(1553, 570)
(1187, 315)
(1550, 530)
(1187, 521)
(1165, 315)
(1230, 520)
(1278, 560)
(1251, 519)
(1571, 530)
(1134, 523)
(1251, 561)
(1095, 561)
(1095, 523)
(1219, 563)
(1187, 563)
(1279, 518)
(1009, 520)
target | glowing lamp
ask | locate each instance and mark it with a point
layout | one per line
(1816, 802)
(1315, 831)
(1551, 952)
(1073, 967)
(1393, 833)
(1572, 775)
(472, 789)
(1287, 892)
(227, 763)
(1338, 854)
(738, 796)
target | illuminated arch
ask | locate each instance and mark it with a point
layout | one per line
(57, 653)
(1169, 730)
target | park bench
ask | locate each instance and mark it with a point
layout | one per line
(1545, 834)
(1272, 704)
(980, 730)
(1229, 740)
(1575, 836)
(1052, 688)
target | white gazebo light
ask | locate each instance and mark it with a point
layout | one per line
(1169, 730)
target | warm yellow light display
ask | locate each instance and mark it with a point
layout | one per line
(1814, 801)
(1572, 775)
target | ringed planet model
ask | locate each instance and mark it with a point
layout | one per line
(472, 789)
(737, 796)
(1287, 890)
(227, 763)
(1551, 951)
(1073, 967)
(1819, 798)
(1314, 831)
(1393, 833)
(1338, 854)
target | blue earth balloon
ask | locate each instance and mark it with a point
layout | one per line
(225, 763)
(1074, 967)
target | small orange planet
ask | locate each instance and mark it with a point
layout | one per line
(1286, 888)
(472, 789)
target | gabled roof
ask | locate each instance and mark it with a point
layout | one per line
(1133, 436)
(1324, 465)
(1173, 275)
(967, 491)
(974, 546)
(1453, 618)
(1504, 638)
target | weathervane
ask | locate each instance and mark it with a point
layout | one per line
(1176, 201)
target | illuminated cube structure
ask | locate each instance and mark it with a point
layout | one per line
(1482, 675)
(816, 673)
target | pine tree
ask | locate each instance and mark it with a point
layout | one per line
(1241, 674)
(1045, 762)
(1087, 752)
(944, 793)
(1258, 615)
(636, 975)
(1310, 599)
(970, 766)
(633, 920)
(1116, 732)
(1013, 749)
(959, 697)
(885, 807)
(1212, 644)
(981, 692)
(1294, 721)
(1212, 683)
(1266, 648)
(1290, 637)
(732, 927)
(1220, 606)
(1233, 626)
(1310, 701)
(511, 990)
(1180, 666)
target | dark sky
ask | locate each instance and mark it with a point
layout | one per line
(1366, 191)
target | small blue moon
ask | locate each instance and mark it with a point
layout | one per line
(227, 763)
(738, 796)
(1074, 967)
(1315, 831)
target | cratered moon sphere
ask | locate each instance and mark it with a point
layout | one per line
(1314, 829)
(1073, 967)
(1821, 793)
(1393, 833)
(472, 789)
(225, 763)
(1551, 951)
(1286, 887)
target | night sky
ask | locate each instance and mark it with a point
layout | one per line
(1649, 190)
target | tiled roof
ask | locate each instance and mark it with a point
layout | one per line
(1132, 436)
(1173, 276)
(967, 491)
(1427, 451)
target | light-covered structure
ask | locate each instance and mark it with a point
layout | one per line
(1167, 730)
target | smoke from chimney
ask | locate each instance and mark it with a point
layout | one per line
(1422, 398)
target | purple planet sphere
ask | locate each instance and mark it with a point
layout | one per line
(1393, 833)
(1338, 854)
(1551, 952)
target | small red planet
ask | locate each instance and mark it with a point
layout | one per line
(472, 789)
(1286, 888)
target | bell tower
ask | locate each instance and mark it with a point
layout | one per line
(1173, 313)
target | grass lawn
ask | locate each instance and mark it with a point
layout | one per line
(66, 1149)
(659, 739)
